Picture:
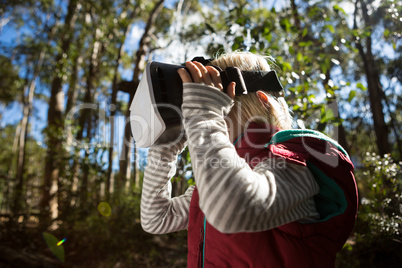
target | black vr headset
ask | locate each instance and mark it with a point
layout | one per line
(155, 116)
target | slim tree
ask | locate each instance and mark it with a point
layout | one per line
(143, 49)
(126, 27)
(86, 120)
(27, 101)
(374, 85)
(55, 120)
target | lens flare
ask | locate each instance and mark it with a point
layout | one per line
(61, 242)
(104, 209)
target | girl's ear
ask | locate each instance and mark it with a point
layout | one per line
(263, 97)
(231, 90)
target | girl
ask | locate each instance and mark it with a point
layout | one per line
(263, 197)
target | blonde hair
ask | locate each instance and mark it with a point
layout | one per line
(248, 108)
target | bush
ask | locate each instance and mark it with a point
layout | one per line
(376, 240)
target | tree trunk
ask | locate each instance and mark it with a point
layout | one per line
(125, 156)
(112, 119)
(27, 98)
(28, 103)
(72, 93)
(68, 198)
(48, 202)
(133, 181)
(374, 86)
(84, 123)
(393, 125)
(87, 117)
(143, 49)
(114, 102)
(14, 150)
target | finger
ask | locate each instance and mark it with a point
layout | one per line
(184, 75)
(215, 76)
(195, 72)
(231, 90)
(205, 74)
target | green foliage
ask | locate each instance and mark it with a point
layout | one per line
(384, 200)
(6, 154)
(377, 236)
(352, 94)
(108, 232)
(10, 82)
(34, 156)
(118, 238)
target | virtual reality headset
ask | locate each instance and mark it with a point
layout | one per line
(155, 112)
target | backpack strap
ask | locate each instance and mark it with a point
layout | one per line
(286, 135)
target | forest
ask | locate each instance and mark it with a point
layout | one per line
(70, 172)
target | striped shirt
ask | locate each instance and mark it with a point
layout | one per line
(233, 196)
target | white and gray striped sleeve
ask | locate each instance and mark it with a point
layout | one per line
(233, 197)
(160, 213)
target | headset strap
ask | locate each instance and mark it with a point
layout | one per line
(246, 81)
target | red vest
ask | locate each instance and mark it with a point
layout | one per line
(294, 244)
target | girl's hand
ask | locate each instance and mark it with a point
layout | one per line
(207, 75)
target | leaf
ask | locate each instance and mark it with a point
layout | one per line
(338, 8)
(299, 56)
(241, 21)
(291, 50)
(286, 66)
(269, 37)
(313, 11)
(51, 242)
(305, 44)
(330, 92)
(329, 114)
(352, 94)
(326, 115)
(235, 46)
(191, 182)
(187, 154)
(324, 67)
(210, 28)
(305, 31)
(330, 28)
(361, 86)
(366, 33)
(311, 98)
(285, 23)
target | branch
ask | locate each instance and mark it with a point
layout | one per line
(144, 42)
